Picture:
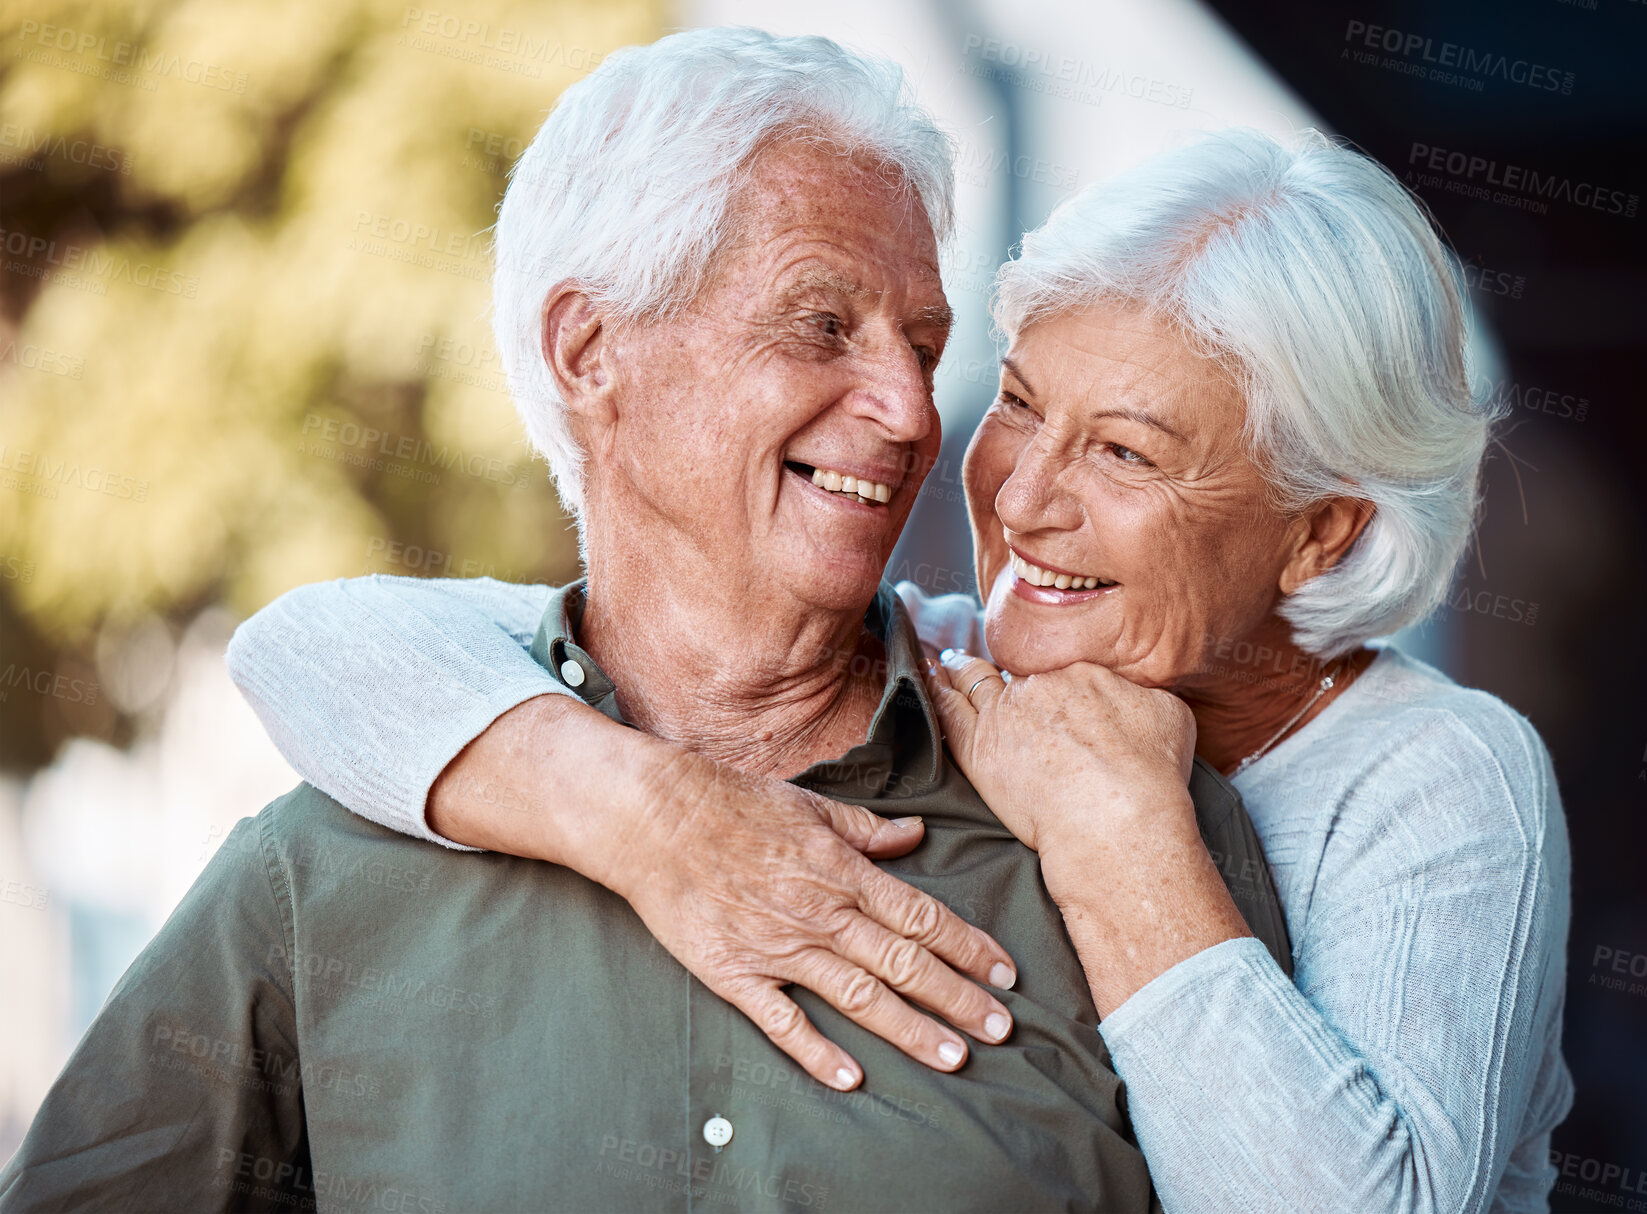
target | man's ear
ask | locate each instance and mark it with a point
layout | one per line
(575, 350)
(1325, 533)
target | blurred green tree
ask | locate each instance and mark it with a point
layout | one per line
(243, 304)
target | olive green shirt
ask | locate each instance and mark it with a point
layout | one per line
(338, 1016)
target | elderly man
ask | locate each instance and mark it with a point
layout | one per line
(738, 405)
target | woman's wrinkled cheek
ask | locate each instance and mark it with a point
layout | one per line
(990, 458)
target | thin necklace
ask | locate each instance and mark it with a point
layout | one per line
(1323, 689)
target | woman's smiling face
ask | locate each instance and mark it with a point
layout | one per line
(1114, 451)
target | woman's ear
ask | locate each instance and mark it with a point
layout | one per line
(575, 351)
(1326, 532)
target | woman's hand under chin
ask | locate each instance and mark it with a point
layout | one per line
(1093, 773)
(1069, 760)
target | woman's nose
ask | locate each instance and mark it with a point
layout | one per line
(1035, 497)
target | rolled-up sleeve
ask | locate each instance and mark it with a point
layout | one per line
(371, 686)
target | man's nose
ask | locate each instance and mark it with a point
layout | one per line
(1036, 496)
(894, 392)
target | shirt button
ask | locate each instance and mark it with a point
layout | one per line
(571, 673)
(717, 1132)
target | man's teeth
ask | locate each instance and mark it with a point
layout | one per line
(1036, 576)
(839, 482)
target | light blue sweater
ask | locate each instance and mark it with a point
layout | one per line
(1420, 853)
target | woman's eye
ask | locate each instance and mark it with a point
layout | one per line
(1011, 401)
(1128, 456)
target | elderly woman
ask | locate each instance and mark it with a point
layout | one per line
(1234, 443)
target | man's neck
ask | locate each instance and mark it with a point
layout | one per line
(768, 687)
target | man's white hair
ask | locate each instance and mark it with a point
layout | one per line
(1319, 282)
(627, 187)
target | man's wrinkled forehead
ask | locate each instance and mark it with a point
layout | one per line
(797, 189)
(815, 280)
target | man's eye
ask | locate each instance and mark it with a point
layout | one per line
(928, 357)
(830, 325)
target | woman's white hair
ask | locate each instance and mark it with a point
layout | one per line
(627, 187)
(1321, 285)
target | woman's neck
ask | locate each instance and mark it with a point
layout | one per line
(1250, 695)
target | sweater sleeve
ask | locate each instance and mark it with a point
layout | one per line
(1401, 1072)
(945, 621)
(370, 686)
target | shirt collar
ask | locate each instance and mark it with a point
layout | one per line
(903, 754)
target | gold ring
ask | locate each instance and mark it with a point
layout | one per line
(974, 687)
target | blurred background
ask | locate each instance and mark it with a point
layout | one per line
(243, 346)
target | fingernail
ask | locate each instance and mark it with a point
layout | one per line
(844, 1079)
(906, 823)
(996, 1026)
(950, 654)
(951, 1054)
(1001, 976)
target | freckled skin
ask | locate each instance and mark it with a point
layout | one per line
(815, 340)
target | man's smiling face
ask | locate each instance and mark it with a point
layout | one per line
(807, 357)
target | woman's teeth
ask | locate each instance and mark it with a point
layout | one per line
(851, 486)
(1036, 576)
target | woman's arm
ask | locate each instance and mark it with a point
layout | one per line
(1398, 1074)
(403, 697)
(370, 686)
